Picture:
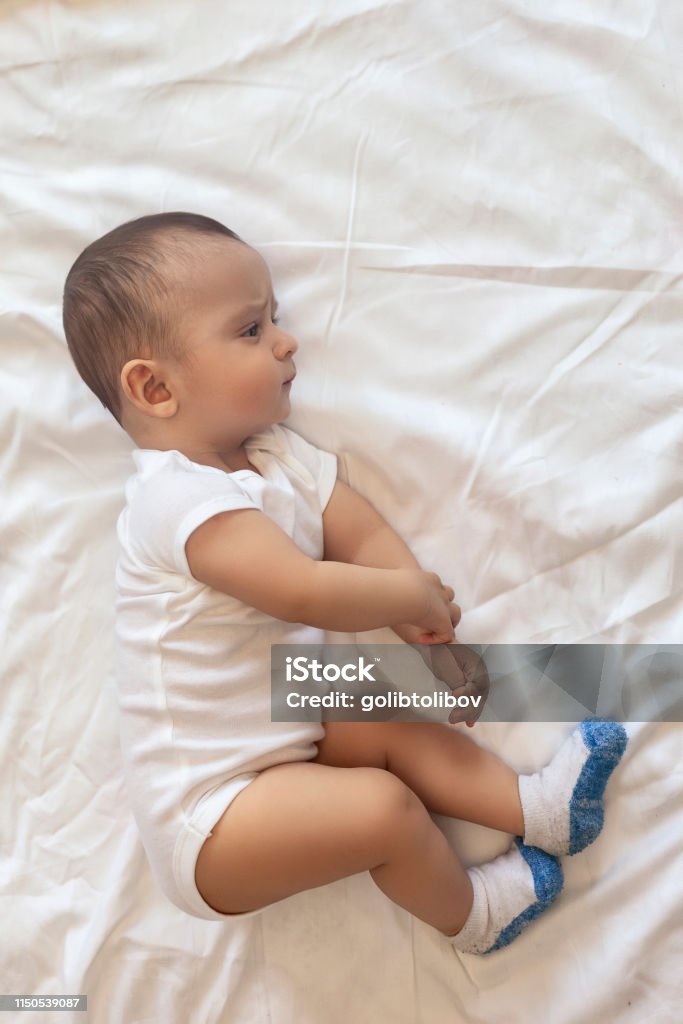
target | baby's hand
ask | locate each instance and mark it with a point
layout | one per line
(441, 614)
(464, 671)
(416, 635)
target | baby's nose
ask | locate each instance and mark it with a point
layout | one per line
(286, 344)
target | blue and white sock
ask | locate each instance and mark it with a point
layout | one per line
(563, 804)
(509, 893)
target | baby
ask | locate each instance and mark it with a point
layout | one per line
(171, 321)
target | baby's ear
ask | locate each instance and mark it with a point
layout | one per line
(144, 387)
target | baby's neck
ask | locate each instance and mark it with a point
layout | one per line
(228, 459)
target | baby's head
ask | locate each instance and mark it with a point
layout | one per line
(169, 321)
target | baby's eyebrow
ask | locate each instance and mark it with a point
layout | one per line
(251, 307)
(240, 317)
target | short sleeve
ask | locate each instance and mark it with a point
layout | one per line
(321, 464)
(171, 501)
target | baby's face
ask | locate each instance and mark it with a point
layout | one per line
(238, 377)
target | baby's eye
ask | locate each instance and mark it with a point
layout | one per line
(275, 320)
(248, 332)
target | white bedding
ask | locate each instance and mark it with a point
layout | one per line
(472, 214)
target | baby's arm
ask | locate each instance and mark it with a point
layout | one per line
(244, 553)
(356, 533)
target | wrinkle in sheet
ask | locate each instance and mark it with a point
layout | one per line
(549, 576)
(346, 245)
(654, 163)
(566, 59)
(603, 278)
(468, 483)
(585, 349)
(50, 445)
(612, 539)
(339, 305)
(309, 33)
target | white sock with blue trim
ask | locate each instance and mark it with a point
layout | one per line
(509, 893)
(563, 804)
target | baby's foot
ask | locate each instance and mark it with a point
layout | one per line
(563, 804)
(509, 893)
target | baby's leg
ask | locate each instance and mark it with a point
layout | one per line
(450, 773)
(559, 809)
(298, 826)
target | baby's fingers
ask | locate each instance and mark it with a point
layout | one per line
(455, 613)
(435, 638)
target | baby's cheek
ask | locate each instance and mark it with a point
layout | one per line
(246, 390)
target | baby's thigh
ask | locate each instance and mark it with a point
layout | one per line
(355, 744)
(297, 826)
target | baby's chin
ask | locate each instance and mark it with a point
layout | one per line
(285, 413)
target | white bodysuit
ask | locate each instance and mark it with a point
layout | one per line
(193, 664)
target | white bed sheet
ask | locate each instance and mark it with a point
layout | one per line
(472, 213)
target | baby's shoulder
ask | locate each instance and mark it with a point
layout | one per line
(167, 499)
(167, 482)
(156, 461)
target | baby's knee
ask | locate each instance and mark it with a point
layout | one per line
(391, 808)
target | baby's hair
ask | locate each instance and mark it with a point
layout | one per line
(121, 299)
